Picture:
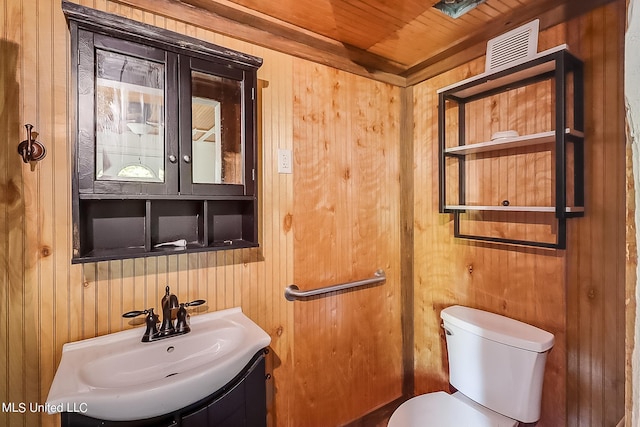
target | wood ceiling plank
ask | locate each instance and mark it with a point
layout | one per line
(402, 13)
(403, 52)
(300, 13)
(488, 10)
(502, 7)
(474, 18)
(371, 8)
(350, 13)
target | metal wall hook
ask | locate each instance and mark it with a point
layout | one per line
(30, 149)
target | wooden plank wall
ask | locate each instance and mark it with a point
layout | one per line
(596, 275)
(346, 225)
(577, 294)
(45, 301)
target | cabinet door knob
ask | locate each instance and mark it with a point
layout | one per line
(172, 158)
(186, 158)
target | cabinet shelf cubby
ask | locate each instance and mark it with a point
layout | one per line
(115, 229)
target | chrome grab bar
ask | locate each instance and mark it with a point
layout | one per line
(293, 292)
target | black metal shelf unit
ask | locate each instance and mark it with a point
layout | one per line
(566, 73)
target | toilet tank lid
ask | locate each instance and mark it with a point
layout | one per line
(498, 328)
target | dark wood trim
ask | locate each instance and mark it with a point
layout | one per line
(406, 238)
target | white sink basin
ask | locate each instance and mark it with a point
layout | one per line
(116, 377)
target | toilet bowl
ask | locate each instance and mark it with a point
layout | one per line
(441, 409)
(497, 365)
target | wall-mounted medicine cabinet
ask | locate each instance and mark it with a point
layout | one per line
(164, 140)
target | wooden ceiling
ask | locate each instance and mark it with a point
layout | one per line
(397, 41)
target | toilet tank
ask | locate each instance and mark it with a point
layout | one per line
(497, 361)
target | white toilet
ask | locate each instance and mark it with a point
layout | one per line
(497, 365)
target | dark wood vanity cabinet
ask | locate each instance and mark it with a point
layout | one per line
(244, 405)
(241, 403)
(164, 143)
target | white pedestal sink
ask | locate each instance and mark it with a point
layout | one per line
(117, 377)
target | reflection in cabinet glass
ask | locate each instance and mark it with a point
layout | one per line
(511, 152)
(129, 118)
(215, 126)
(216, 118)
(164, 141)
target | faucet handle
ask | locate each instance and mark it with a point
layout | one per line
(194, 303)
(182, 324)
(151, 321)
(137, 313)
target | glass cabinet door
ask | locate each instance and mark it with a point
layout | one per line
(214, 114)
(163, 123)
(130, 150)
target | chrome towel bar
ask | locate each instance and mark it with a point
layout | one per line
(292, 292)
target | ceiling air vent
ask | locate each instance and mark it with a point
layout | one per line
(513, 47)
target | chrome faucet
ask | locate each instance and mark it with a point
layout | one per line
(171, 310)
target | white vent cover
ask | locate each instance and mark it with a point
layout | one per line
(513, 47)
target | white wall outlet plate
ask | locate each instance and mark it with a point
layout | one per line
(285, 161)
